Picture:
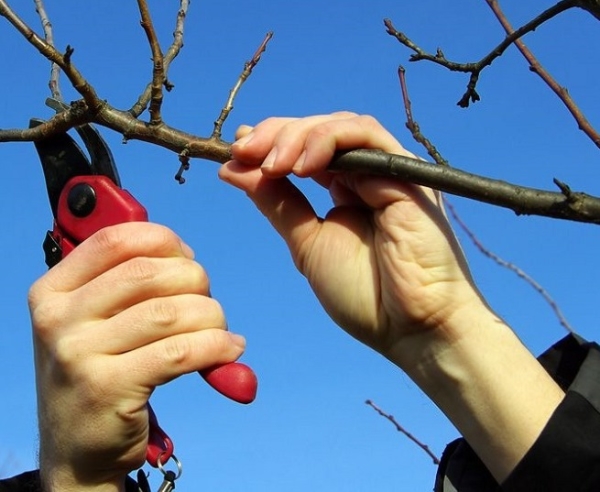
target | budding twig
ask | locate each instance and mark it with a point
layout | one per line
(413, 126)
(248, 67)
(53, 84)
(158, 73)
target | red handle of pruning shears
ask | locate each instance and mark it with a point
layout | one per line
(92, 202)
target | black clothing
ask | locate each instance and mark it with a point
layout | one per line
(565, 457)
(30, 482)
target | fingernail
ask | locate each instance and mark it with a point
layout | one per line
(244, 140)
(237, 340)
(270, 159)
(187, 251)
(299, 163)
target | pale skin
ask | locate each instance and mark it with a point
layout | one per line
(384, 263)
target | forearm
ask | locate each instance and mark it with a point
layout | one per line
(488, 384)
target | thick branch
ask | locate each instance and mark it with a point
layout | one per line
(476, 68)
(526, 201)
(523, 201)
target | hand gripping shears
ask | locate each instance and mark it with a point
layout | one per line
(85, 196)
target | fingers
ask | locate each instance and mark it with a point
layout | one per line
(306, 146)
(148, 345)
(108, 248)
(135, 281)
(160, 362)
(150, 321)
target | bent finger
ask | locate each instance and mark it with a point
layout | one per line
(169, 358)
(106, 249)
(156, 319)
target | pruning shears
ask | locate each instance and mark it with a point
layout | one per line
(85, 196)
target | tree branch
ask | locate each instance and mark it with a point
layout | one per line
(415, 130)
(53, 84)
(248, 67)
(63, 61)
(577, 206)
(91, 109)
(138, 108)
(475, 69)
(158, 73)
(413, 126)
(537, 68)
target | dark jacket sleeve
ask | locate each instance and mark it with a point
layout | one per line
(26, 482)
(30, 482)
(566, 456)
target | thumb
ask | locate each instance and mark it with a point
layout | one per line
(282, 203)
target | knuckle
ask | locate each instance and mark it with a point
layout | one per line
(271, 121)
(36, 294)
(211, 311)
(126, 236)
(198, 276)
(164, 312)
(110, 238)
(46, 317)
(140, 270)
(368, 121)
(178, 351)
(67, 351)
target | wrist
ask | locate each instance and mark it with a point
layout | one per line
(422, 346)
(487, 383)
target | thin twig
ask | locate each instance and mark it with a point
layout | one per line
(413, 126)
(535, 66)
(79, 83)
(475, 69)
(248, 67)
(54, 83)
(142, 102)
(399, 428)
(158, 73)
(184, 165)
(431, 149)
(510, 266)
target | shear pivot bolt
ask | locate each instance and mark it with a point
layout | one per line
(81, 200)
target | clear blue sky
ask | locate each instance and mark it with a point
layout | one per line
(309, 428)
